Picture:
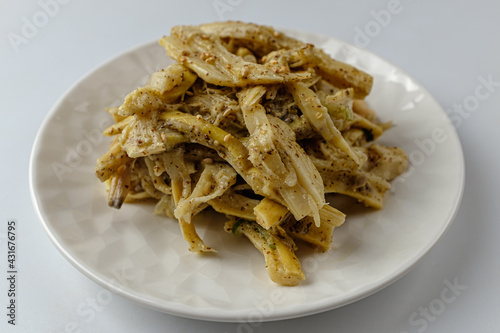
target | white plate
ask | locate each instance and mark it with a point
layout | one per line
(143, 257)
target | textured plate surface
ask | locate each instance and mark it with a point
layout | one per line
(143, 257)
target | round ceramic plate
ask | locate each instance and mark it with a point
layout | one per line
(144, 257)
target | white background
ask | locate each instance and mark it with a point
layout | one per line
(446, 45)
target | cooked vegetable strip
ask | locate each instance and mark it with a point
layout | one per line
(261, 39)
(269, 213)
(188, 230)
(282, 264)
(343, 75)
(119, 126)
(177, 169)
(317, 115)
(262, 152)
(308, 177)
(156, 174)
(273, 149)
(265, 40)
(339, 107)
(165, 206)
(257, 126)
(374, 130)
(144, 136)
(368, 189)
(331, 216)
(385, 162)
(120, 185)
(214, 180)
(360, 107)
(108, 164)
(320, 237)
(205, 55)
(164, 87)
(234, 204)
(300, 202)
(197, 130)
(179, 173)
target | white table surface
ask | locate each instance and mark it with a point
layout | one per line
(446, 45)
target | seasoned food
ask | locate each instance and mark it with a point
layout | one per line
(255, 125)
